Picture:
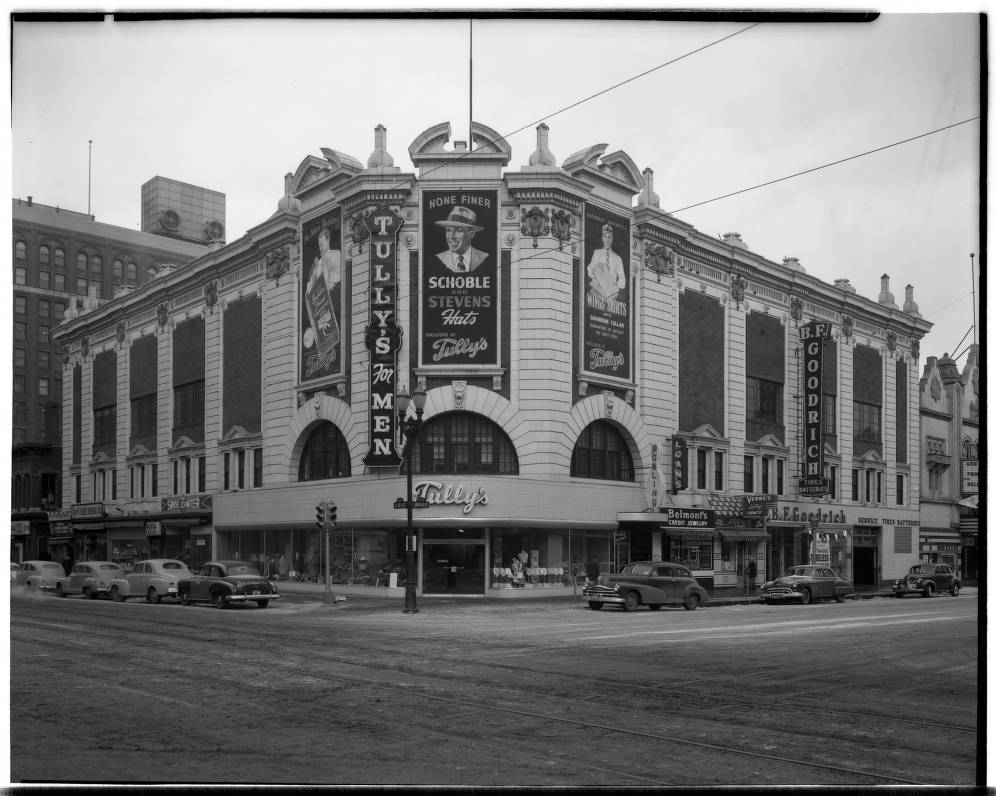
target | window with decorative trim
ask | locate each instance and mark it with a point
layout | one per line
(20, 250)
(325, 454)
(463, 442)
(867, 422)
(601, 452)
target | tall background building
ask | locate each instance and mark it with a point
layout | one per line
(65, 262)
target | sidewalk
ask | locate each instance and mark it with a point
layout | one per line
(345, 592)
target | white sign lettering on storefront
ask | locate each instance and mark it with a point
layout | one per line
(438, 493)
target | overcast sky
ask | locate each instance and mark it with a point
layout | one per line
(233, 105)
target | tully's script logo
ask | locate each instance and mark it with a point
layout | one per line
(600, 358)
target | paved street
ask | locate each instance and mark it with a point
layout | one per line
(870, 692)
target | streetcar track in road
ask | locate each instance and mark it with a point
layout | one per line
(314, 668)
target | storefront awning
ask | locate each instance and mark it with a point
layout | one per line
(743, 534)
(691, 534)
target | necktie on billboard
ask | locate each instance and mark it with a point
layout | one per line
(461, 266)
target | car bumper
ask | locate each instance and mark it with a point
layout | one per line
(781, 595)
(242, 598)
(604, 596)
(902, 588)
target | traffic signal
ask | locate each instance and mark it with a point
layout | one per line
(320, 515)
(332, 514)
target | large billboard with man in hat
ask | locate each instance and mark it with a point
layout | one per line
(460, 291)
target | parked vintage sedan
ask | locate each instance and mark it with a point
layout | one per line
(806, 583)
(38, 574)
(90, 578)
(650, 583)
(926, 579)
(152, 579)
(226, 582)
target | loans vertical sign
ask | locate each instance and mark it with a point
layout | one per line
(383, 336)
(813, 334)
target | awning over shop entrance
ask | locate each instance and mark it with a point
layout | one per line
(743, 534)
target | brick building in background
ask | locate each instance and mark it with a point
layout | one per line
(603, 381)
(64, 262)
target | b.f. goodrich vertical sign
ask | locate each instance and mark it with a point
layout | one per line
(383, 336)
(813, 334)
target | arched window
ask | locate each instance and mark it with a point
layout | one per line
(462, 442)
(81, 262)
(150, 273)
(325, 455)
(118, 269)
(131, 272)
(96, 264)
(60, 258)
(44, 255)
(601, 452)
(20, 251)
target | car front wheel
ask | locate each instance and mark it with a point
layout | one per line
(691, 602)
(840, 596)
(116, 595)
(928, 591)
(59, 592)
(262, 603)
(220, 600)
(954, 590)
(807, 596)
(153, 595)
(184, 598)
(631, 600)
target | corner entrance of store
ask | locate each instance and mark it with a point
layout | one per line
(453, 561)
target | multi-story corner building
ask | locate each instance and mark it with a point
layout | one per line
(949, 492)
(64, 262)
(602, 381)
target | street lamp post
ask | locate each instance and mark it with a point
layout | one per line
(409, 427)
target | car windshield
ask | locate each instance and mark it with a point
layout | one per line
(801, 572)
(173, 565)
(242, 569)
(109, 566)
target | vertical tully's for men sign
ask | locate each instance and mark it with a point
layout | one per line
(813, 334)
(383, 336)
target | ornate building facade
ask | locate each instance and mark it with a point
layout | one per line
(602, 382)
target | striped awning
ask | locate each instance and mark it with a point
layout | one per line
(727, 505)
(969, 526)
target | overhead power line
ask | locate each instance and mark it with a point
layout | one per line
(824, 166)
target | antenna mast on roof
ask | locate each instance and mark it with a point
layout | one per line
(470, 131)
(89, 171)
(975, 331)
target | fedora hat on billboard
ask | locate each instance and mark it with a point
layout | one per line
(461, 217)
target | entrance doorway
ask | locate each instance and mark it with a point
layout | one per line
(453, 568)
(865, 566)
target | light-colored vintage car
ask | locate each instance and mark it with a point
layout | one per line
(152, 579)
(38, 575)
(90, 578)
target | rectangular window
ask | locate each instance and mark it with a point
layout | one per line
(43, 360)
(176, 477)
(868, 486)
(20, 357)
(242, 468)
(201, 474)
(79, 488)
(900, 496)
(257, 467)
(867, 422)
(878, 486)
(227, 469)
(154, 485)
(765, 468)
(131, 482)
(43, 335)
(717, 458)
(44, 280)
(81, 286)
(104, 426)
(114, 484)
(186, 475)
(60, 282)
(764, 400)
(20, 384)
(20, 275)
(44, 308)
(748, 473)
(43, 386)
(21, 305)
(833, 482)
(700, 469)
(780, 478)
(854, 486)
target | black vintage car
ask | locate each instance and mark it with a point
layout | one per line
(926, 580)
(226, 582)
(650, 583)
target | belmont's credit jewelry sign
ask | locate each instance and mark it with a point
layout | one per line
(813, 334)
(383, 335)
(606, 306)
(459, 284)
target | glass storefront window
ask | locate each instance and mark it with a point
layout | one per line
(533, 558)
